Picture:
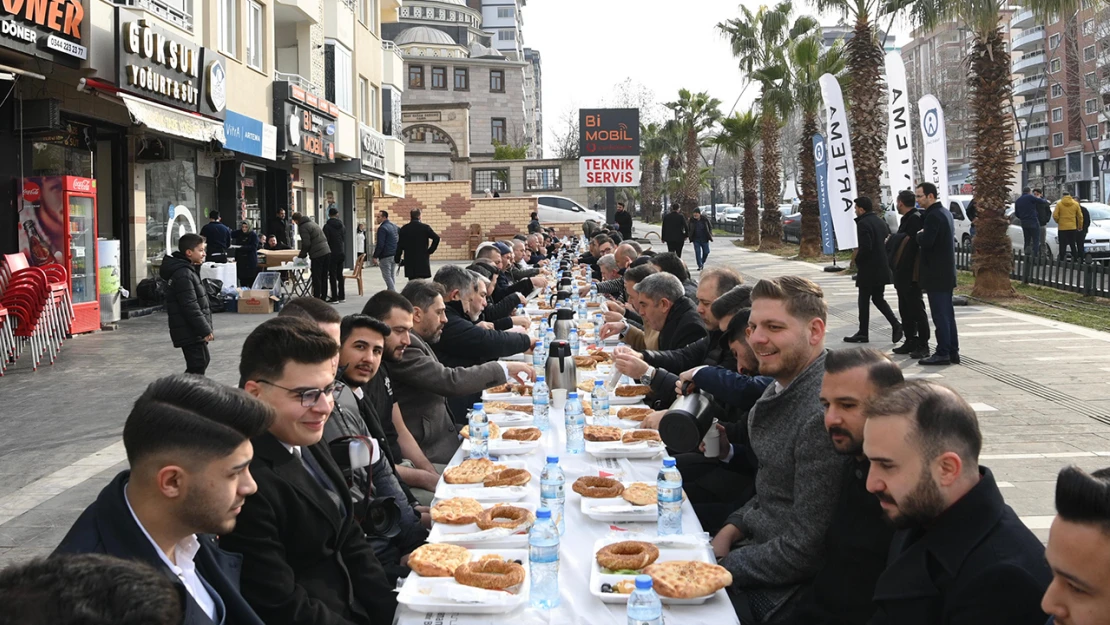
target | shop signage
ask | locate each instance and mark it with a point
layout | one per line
(306, 122)
(49, 29)
(250, 136)
(609, 132)
(394, 186)
(158, 66)
(430, 116)
(371, 151)
(609, 171)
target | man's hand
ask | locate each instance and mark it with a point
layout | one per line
(538, 282)
(612, 328)
(425, 515)
(523, 321)
(724, 445)
(612, 317)
(683, 378)
(522, 298)
(651, 422)
(630, 365)
(624, 349)
(723, 541)
(518, 368)
(485, 325)
(211, 337)
(374, 262)
(584, 290)
(615, 306)
(517, 330)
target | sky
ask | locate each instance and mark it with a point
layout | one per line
(590, 46)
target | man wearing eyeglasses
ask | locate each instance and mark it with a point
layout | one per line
(305, 559)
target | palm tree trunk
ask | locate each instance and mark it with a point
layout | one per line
(690, 186)
(646, 190)
(771, 222)
(810, 245)
(750, 176)
(657, 184)
(867, 110)
(992, 158)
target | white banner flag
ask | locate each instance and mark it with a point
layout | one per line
(935, 168)
(842, 173)
(899, 138)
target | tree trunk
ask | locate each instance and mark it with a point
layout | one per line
(771, 223)
(657, 182)
(992, 159)
(810, 245)
(750, 175)
(647, 191)
(867, 115)
(690, 180)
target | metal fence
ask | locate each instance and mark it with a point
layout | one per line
(735, 227)
(1083, 277)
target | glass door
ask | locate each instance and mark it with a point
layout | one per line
(82, 249)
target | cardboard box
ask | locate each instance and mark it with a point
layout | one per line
(273, 258)
(256, 302)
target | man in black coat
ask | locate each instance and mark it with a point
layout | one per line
(624, 221)
(937, 273)
(961, 555)
(278, 227)
(336, 234)
(416, 242)
(188, 443)
(873, 271)
(218, 237)
(187, 307)
(902, 251)
(305, 559)
(674, 230)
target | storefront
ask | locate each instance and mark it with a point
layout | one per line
(354, 181)
(306, 126)
(252, 184)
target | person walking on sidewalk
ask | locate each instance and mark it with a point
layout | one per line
(873, 271)
(937, 273)
(674, 230)
(1028, 208)
(336, 233)
(416, 242)
(187, 308)
(1069, 220)
(314, 245)
(701, 233)
(385, 247)
(903, 251)
(624, 221)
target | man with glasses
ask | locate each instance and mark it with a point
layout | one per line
(305, 559)
(937, 273)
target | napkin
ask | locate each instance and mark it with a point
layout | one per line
(490, 534)
(470, 594)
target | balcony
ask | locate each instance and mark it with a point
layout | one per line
(1023, 19)
(389, 11)
(1033, 131)
(1029, 86)
(1104, 145)
(395, 156)
(1029, 39)
(172, 12)
(393, 65)
(1032, 107)
(294, 11)
(1032, 62)
(1035, 154)
(300, 81)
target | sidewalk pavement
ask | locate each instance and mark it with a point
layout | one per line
(1040, 388)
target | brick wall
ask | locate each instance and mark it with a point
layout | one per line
(448, 208)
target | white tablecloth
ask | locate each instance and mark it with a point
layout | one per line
(576, 554)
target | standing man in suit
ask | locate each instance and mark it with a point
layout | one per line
(903, 251)
(188, 444)
(305, 559)
(937, 273)
(674, 230)
(416, 242)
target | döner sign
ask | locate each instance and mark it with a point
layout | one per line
(61, 16)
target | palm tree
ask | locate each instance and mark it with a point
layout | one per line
(673, 138)
(740, 136)
(696, 112)
(653, 148)
(992, 155)
(807, 64)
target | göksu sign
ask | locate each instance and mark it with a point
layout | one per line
(609, 147)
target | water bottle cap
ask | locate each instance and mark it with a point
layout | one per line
(478, 406)
(553, 460)
(643, 582)
(539, 343)
(539, 378)
(668, 462)
(572, 395)
(599, 383)
(544, 513)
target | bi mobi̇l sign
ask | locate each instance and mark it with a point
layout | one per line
(48, 29)
(609, 147)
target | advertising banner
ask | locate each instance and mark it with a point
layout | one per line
(608, 132)
(605, 171)
(841, 172)
(935, 168)
(828, 242)
(899, 139)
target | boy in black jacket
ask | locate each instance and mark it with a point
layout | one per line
(190, 316)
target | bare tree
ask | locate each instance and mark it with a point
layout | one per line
(566, 136)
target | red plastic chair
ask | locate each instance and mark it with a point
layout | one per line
(7, 339)
(28, 295)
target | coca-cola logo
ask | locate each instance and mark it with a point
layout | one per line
(82, 185)
(31, 192)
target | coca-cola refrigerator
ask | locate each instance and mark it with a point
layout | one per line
(57, 223)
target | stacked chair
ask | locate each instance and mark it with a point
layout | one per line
(36, 310)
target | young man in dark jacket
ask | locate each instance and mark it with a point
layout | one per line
(937, 262)
(218, 237)
(187, 308)
(314, 245)
(674, 230)
(385, 247)
(623, 218)
(903, 250)
(873, 271)
(701, 233)
(336, 233)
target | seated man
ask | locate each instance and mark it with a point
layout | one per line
(858, 538)
(499, 315)
(1078, 549)
(188, 442)
(671, 263)
(422, 384)
(773, 545)
(519, 267)
(273, 244)
(305, 558)
(537, 253)
(611, 282)
(961, 555)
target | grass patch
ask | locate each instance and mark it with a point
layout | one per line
(791, 251)
(717, 232)
(1088, 312)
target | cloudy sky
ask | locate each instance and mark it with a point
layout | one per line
(590, 46)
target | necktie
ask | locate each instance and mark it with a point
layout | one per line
(317, 472)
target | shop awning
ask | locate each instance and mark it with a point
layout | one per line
(172, 121)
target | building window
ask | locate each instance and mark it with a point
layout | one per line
(339, 87)
(1092, 131)
(543, 179)
(506, 12)
(418, 177)
(439, 78)
(506, 35)
(497, 130)
(441, 177)
(1089, 27)
(492, 179)
(1058, 114)
(367, 14)
(462, 79)
(254, 35)
(1053, 66)
(1091, 106)
(375, 97)
(1057, 139)
(1057, 90)
(1089, 53)
(416, 77)
(228, 16)
(416, 135)
(497, 81)
(1090, 81)
(1054, 41)
(363, 100)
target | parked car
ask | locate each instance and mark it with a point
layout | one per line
(792, 227)
(559, 209)
(957, 204)
(731, 214)
(1100, 213)
(1095, 247)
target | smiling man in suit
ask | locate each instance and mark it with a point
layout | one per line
(188, 443)
(305, 559)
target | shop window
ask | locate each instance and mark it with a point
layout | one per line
(497, 130)
(228, 26)
(497, 81)
(462, 79)
(439, 78)
(416, 77)
(543, 179)
(255, 46)
(171, 206)
(492, 179)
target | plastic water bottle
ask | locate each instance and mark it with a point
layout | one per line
(549, 335)
(593, 292)
(599, 401)
(644, 606)
(539, 357)
(576, 423)
(540, 400)
(669, 499)
(543, 561)
(553, 491)
(478, 427)
(520, 310)
(583, 310)
(574, 342)
(599, 320)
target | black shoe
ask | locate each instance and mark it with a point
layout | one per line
(955, 358)
(898, 333)
(332, 300)
(920, 352)
(935, 359)
(856, 338)
(906, 348)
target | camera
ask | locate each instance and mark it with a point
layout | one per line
(379, 516)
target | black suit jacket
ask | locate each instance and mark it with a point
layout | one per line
(682, 327)
(416, 242)
(871, 261)
(937, 253)
(107, 527)
(303, 563)
(977, 564)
